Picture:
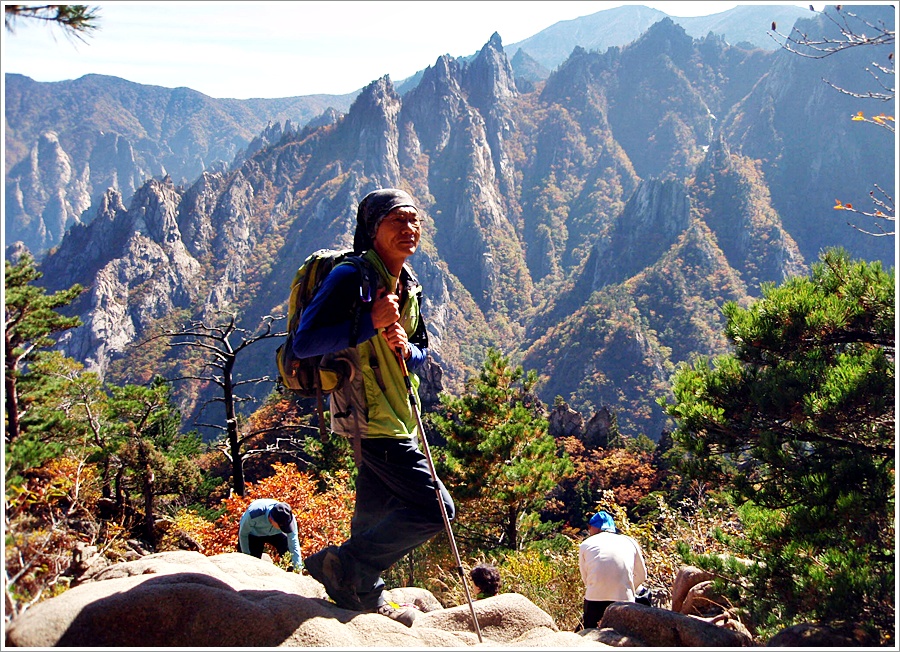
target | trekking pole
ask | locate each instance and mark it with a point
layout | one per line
(437, 487)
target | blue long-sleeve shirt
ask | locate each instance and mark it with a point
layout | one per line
(255, 521)
(328, 321)
(338, 322)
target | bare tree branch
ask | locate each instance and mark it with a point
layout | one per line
(215, 337)
(855, 31)
(862, 33)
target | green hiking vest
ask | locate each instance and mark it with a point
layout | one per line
(375, 402)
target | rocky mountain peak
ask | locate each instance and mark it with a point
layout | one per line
(438, 81)
(527, 70)
(87, 247)
(573, 78)
(329, 116)
(370, 134)
(154, 208)
(271, 135)
(433, 106)
(489, 78)
(665, 37)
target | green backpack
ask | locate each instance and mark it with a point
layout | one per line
(306, 376)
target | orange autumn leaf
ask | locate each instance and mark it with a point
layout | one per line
(322, 518)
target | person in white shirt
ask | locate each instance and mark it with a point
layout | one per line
(612, 568)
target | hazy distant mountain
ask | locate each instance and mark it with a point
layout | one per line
(747, 24)
(622, 25)
(591, 225)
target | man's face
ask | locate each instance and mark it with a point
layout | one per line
(398, 234)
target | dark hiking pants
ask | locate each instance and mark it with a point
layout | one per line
(396, 511)
(277, 541)
(593, 613)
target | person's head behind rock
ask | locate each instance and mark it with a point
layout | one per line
(487, 578)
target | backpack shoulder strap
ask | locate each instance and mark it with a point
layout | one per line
(369, 276)
(409, 276)
(367, 288)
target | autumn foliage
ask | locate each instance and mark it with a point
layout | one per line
(45, 518)
(323, 518)
(630, 474)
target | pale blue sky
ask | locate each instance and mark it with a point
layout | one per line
(283, 49)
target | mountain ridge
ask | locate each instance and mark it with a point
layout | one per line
(132, 142)
(521, 192)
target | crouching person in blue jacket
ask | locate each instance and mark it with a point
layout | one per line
(268, 521)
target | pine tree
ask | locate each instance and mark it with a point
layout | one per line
(155, 458)
(499, 458)
(31, 319)
(76, 21)
(799, 423)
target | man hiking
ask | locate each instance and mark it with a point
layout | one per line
(397, 506)
(267, 520)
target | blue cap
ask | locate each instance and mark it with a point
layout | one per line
(603, 521)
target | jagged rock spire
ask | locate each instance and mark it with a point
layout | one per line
(370, 132)
(489, 78)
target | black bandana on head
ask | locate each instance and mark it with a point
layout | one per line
(372, 210)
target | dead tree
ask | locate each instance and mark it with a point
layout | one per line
(215, 340)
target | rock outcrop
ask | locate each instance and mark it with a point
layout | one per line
(565, 422)
(183, 599)
(664, 628)
(687, 578)
(815, 636)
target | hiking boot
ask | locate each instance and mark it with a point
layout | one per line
(401, 613)
(325, 568)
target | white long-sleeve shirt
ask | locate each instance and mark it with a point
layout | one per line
(612, 567)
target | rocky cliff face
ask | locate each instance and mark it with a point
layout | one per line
(735, 203)
(592, 227)
(68, 142)
(45, 194)
(144, 274)
(653, 218)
